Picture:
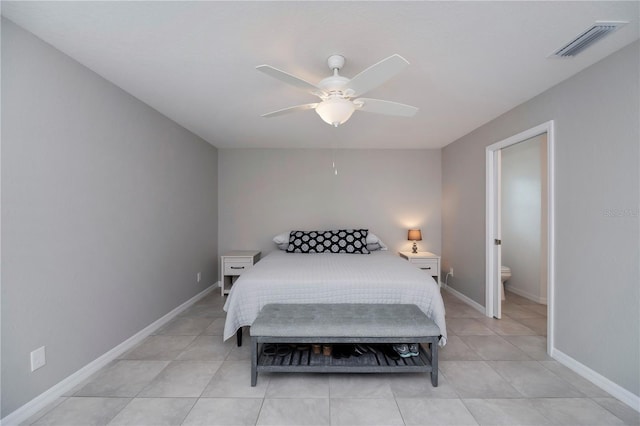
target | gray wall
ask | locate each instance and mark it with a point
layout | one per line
(264, 192)
(521, 217)
(109, 210)
(596, 114)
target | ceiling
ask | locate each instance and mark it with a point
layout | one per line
(195, 61)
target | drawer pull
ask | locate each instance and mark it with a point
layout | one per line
(237, 267)
(428, 267)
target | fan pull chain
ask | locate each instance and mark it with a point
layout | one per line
(333, 161)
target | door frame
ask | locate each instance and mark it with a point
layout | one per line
(492, 251)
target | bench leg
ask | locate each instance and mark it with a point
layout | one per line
(239, 337)
(254, 361)
(434, 363)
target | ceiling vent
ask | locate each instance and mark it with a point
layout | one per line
(598, 31)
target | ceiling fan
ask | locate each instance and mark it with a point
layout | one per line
(337, 92)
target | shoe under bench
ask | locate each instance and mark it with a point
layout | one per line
(349, 323)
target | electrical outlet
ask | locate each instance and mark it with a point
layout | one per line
(38, 358)
(198, 276)
(451, 271)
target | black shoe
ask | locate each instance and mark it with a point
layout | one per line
(341, 351)
(388, 351)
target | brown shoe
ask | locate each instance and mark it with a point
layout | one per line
(326, 350)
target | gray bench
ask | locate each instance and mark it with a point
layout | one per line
(342, 323)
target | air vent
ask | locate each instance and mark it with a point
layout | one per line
(598, 31)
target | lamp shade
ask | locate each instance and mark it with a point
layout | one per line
(414, 235)
(335, 111)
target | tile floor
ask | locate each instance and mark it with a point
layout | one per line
(493, 372)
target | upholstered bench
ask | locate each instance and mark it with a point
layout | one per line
(300, 325)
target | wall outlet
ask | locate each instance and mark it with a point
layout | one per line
(198, 276)
(451, 271)
(38, 358)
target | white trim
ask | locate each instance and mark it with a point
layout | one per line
(493, 279)
(526, 294)
(59, 389)
(629, 398)
(465, 299)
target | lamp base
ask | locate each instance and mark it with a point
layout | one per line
(414, 250)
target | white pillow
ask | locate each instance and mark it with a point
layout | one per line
(372, 238)
(282, 240)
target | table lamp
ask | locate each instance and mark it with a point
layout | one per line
(414, 235)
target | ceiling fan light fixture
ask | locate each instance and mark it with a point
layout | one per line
(335, 111)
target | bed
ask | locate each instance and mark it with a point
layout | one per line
(379, 277)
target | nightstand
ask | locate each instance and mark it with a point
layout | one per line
(233, 264)
(426, 261)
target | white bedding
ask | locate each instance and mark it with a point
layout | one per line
(379, 277)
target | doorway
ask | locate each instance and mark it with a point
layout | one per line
(494, 231)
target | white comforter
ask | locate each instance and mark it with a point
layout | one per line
(380, 277)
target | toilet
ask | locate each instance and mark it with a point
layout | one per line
(505, 274)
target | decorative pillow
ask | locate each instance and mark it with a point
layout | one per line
(352, 241)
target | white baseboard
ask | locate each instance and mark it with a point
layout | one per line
(629, 398)
(526, 295)
(59, 389)
(466, 299)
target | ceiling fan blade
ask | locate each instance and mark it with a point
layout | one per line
(288, 78)
(290, 109)
(385, 107)
(377, 74)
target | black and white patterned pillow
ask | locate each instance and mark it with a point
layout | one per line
(352, 241)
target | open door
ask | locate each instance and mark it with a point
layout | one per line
(493, 249)
(494, 238)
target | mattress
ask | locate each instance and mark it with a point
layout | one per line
(379, 277)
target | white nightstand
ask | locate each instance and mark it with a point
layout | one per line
(233, 264)
(426, 261)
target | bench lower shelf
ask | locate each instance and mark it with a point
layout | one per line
(304, 360)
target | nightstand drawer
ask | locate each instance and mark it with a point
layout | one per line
(236, 266)
(427, 265)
